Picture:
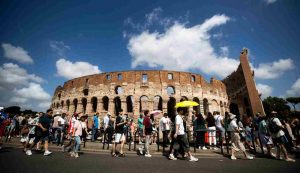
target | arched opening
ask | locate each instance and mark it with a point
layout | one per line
(119, 90)
(75, 102)
(94, 102)
(59, 96)
(157, 103)
(171, 108)
(246, 101)
(171, 91)
(214, 106)
(205, 106)
(130, 103)
(105, 101)
(118, 107)
(196, 108)
(68, 105)
(57, 105)
(84, 103)
(184, 98)
(62, 104)
(143, 103)
(233, 107)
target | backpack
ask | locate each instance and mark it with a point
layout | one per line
(273, 127)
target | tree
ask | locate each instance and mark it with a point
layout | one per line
(12, 110)
(293, 101)
(276, 104)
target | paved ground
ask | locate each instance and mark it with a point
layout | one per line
(12, 159)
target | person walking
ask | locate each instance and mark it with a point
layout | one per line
(119, 134)
(140, 128)
(181, 135)
(276, 129)
(211, 125)
(237, 145)
(95, 126)
(147, 132)
(200, 127)
(42, 132)
(164, 124)
(264, 135)
(79, 126)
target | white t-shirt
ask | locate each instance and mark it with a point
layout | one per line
(280, 132)
(179, 121)
(218, 119)
(78, 128)
(61, 120)
(164, 123)
(232, 125)
(105, 121)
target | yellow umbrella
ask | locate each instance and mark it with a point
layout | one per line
(186, 104)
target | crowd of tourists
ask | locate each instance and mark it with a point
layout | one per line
(211, 131)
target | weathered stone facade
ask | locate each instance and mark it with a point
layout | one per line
(135, 91)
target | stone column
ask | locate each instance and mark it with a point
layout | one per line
(89, 108)
(124, 105)
(79, 107)
(111, 108)
(100, 106)
(165, 106)
(201, 107)
(136, 108)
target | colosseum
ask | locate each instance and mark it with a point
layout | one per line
(135, 91)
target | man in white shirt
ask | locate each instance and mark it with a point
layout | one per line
(219, 123)
(276, 129)
(181, 135)
(165, 128)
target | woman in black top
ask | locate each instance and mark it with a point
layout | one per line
(211, 124)
(200, 126)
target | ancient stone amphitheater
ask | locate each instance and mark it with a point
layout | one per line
(135, 91)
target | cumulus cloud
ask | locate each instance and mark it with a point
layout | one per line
(273, 70)
(264, 90)
(59, 47)
(18, 87)
(69, 70)
(182, 48)
(16, 53)
(270, 1)
(294, 91)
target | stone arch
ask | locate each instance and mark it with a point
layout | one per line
(171, 90)
(130, 103)
(84, 103)
(94, 102)
(75, 102)
(119, 90)
(171, 108)
(105, 101)
(196, 108)
(183, 98)
(57, 105)
(205, 106)
(118, 106)
(234, 108)
(62, 104)
(214, 105)
(157, 103)
(68, 104)
(144, 103)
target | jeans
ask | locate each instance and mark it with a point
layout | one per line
(94, 132)
(147, 141)
(165, 137)
(77, 143)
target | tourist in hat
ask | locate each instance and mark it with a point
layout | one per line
(278, 135)
(237, 145)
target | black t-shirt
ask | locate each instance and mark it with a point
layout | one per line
(46, 121)
(210, 121)
(120, 128)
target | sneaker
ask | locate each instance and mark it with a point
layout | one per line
(148, 155)
(233, 158)
(141, 151)
(204, 148)
(250, 157)
(140, 143)
(290, 160)
(215, 148)
(63, 148)
(193, 159)
(72, 154)
(28, 153)
(171, 157)
(47, 153)
(132, 143)
(76, 155)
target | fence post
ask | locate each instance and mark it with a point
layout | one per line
(157, 140)
(104, 139)
(226, 139)
(221, 141)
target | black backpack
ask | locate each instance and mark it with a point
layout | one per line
(273, 127)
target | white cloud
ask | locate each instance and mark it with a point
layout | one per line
(273, 70)
(153, 16)
(59, 47)
(270, 1)
(71, 70)
(224, 51)
(265, 90)
(19, 88)
(294, 91)
(182, 48)
(16, 53)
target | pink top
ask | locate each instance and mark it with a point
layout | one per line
(78, 128)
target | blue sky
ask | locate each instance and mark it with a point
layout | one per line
(43, 44)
